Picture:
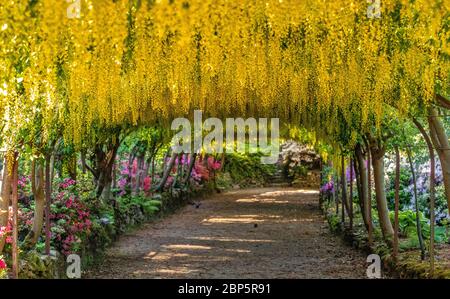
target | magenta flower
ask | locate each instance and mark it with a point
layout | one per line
(2, 264)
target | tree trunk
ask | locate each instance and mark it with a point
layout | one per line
(37, 187)
(153, 169)
(15, 224)
(48, 202)
(5, 196)
(104, 167)
(114, 176)
(72, 167)
(416, 203)
(364, 186)
(369, 195)
(139, 174)
(191, 166)
(441, 144)
(178, 171)
(397, 200)
(350, 202)
(344, 189)
(167, 171)
(336, 196)
(377, 152)
(432, 189)
(358, 190)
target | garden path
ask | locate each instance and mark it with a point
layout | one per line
(250, 233)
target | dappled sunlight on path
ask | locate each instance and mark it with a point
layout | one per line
(253, 233)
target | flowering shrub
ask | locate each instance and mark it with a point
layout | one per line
(71, 218)
(200, 172)
(213, 164)
(3, 268)
(147, 183)
(6, 231)
(328, 188)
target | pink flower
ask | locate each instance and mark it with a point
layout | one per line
(169, 182)
(122, 183)
(2, 264)
(2, 230)
(147, 183)
(213, 164)
(69, 203)
(9, 240)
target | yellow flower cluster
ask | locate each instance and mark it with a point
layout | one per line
(314, 63)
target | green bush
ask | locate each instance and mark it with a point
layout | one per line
(244, 168)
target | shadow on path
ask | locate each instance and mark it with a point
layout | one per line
(252, 233)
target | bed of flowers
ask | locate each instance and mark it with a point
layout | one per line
(85, 225)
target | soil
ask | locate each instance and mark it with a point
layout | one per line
(253, 233)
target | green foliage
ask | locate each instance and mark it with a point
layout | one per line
(299, 171)
(34, 265)
(408, 228)
(405, 195)
(245, 167)
(334, 221)
(148, 206)
(224, 180)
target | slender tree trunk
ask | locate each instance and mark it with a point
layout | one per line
(153, 168)
(114, 176)
(364, 186)
(37, 186)
(344, 189)
(52, 168)
(15, 224)
(139, 172)
(179, 171)
(369, 195)
(351, 195)
(166, 173)
(222, 163)
(440, 141)
(358, 190)
(416, 203)
(48, 202)
(377, 152)
(336, 196)
(397, 200)
(5, 196)
(432, 189)
(191, 167)
(129, 179)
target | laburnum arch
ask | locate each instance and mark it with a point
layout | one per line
(323, 65)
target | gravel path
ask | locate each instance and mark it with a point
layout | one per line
(252, 233)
